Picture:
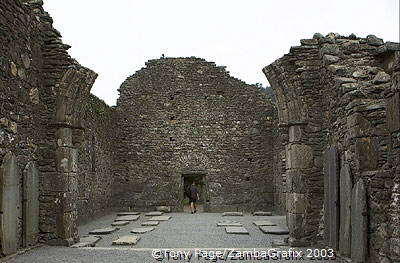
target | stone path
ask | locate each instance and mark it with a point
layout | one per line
(182, 232)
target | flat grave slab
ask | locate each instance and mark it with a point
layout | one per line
(278, 243)
(103, 231)
(166, 209)
(264, 223)
(262, 213)
(274, 230)
(236, 230)
(126, 240)
(120, 223)
(160, 218)
(155, 213)
(128, 213)
(87, 241)
(150, 223)
(232, 214)
(127, 218)
(142, 230)
(229, 223)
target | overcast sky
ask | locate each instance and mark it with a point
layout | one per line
(115, 38)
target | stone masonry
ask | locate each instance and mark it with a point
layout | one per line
(186, 115)
(341, 92)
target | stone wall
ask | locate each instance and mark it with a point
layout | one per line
(43, 93)
(181, 116)
(338, 92)
(96, 153)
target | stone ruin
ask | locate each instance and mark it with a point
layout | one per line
(326, 154)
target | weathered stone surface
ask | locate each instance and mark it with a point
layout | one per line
(31, 205)
(9, 205)
(345, 210)
(366, 149)
(87, 241)
(126, 240)
(150, 223)
(165, 209)
(331, 197)
(232, 214)
(236, 230)
(155, 213)
(127, 218)
(274, 230)
(374, 41)
(264, 223)
(393, 112)
(359, 223)
(120, 223)
(229, 223)
(381, 77)
(262, 213)
(142, 230)
(160, 218)
(128, 213)
(299, 156)
(103, 231)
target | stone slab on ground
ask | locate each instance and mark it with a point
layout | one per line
(120, 223)
(262, 213)
(142, 230)
(103, 231)
(345, 211)
(264, 223)
(150, 223)
(87, 241)
(126, 240)
(128, 213)
(165, 209)
(274, 230)
(237, 230)
(160, 218)
(232, 214)
(155, 213)
(127, 218)
(278, 243)
(229, 223)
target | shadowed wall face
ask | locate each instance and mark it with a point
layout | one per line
(187, 114)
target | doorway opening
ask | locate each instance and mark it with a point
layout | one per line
(199, 178)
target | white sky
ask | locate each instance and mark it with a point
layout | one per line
(115, 38)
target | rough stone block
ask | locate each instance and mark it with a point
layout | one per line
(345, 210)
(128, 213)
(142, 230)
(126, 240)
(165, 209)
(262, 213)
(87, 241)
(127, 218)
(31, 205)
(236, 230)
(264, 223)
(150, 223)
(160, 218)
(229, 223)
(296, 225)
(9, 204)
(299, 156)
(359, 223)
(232, 214)
(120, 223)
(103, 231)
(155, 213)
(64, 137)
(295, 133)
(295, 182)
(274, 230)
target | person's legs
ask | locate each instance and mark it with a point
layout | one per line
(194, 207)
(191, 206)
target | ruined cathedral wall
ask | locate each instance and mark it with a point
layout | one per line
(43, 93)
(355, 87)
(187, 114)
(96, 156)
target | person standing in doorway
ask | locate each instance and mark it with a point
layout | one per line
(194, 196)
